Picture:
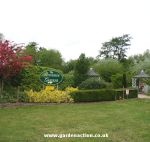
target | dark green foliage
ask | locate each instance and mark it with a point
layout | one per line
(13, 95)
(81, 68)
(44, 57)
(67, 81)
(50, 58)
(116, 48)
(117, 80)
(32, 50)
(69, 66)
(93, 83)
(124, 80)
(102, 95)
(108, 67)
(121, 93)
(93, 95)
(30, 78)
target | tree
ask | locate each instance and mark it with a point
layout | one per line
(12, 60)
(69, 66)
(81, 68)
(50, 58)
(44, 57)
(32, 50)
(108, 67)
(115, 48)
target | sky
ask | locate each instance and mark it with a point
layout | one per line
(76, 26)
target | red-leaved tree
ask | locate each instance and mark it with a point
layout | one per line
(12, 60)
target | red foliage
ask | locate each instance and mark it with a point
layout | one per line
(12, 59)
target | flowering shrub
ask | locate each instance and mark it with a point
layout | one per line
(49, 88)
(53, 96)
(71, 89)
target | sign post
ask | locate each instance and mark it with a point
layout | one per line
(127, 93)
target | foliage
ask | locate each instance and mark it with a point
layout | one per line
(81, 68)
(117, 80)
(32, 50)
(44, 57)
(13, 95)
(30, 78)
(116, 48)
(142, 65)
(69, 66)
(50, 58)
(93, 83)
(93, 95)
(68, 81)
(101, 95)
(12, 59)
(71, 89)
(55, 96)
(49, 88)
(108, 67)
(121, 93)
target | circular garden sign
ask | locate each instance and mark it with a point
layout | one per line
(51, 77)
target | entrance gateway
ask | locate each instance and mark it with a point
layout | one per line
(137, 82)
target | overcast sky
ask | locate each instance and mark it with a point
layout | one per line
(76, 26)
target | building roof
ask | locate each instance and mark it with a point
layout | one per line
(142, 74)
(92, 73)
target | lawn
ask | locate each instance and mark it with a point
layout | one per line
(123, 121)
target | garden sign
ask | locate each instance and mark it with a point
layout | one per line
(51, 77)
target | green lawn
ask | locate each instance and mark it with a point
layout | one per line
(124, 121)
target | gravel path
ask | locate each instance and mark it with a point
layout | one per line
(142, 96)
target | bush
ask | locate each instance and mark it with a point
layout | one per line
(93, 83)
(67, 81)
(31, 78)
(108, 67)
(120, 93)
(93, 95)
(117, 80)
(55, 96)
(101, 95)
(13, 97)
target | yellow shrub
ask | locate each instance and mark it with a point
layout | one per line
(49, 88)
(71, 89)
(46, 95)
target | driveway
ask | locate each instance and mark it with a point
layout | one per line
(142, 96)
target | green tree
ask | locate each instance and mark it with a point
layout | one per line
(81, 68)
(32, 50)
(115, 48)
(69, 66)
(108, 67)
(50, 58)
(44, 57)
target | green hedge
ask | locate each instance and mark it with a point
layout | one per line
(93, 95)
(120, 93)
(101, 95)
